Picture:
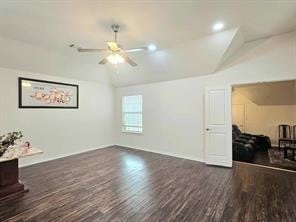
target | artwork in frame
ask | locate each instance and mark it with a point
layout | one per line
(34, 93)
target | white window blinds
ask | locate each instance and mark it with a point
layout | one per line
(132, 114)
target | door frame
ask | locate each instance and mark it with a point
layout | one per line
(247, 83)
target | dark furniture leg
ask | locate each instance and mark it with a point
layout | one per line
(285, 152)
(9, 179)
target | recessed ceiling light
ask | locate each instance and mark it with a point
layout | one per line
(218, 26)
(152, 47)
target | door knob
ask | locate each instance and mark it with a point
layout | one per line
(208, 129)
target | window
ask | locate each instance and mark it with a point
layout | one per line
(132, 114)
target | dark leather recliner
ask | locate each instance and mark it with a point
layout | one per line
(242, 151)
(261, 142)
(245, 145)
(237, 135)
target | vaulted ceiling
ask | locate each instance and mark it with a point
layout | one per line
(181, 30)
(272, 93)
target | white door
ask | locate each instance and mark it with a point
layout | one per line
(218, 130)
(238, 116)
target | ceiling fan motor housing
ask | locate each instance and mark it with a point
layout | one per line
(115, 27)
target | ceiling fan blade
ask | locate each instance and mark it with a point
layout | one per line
(129, 61)
(113, 46)
(103, 61)
(91, 50)
(136, 49)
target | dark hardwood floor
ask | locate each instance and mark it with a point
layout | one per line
(261, 158)
(121, 184)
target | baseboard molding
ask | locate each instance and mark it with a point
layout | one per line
(64, 155)
(163, 153)
(106, 146)
(262, 166)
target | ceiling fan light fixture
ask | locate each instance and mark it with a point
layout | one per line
(116, 52)
(115, 59)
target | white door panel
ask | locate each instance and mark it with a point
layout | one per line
(215, 140)
(218, 141)
(217, 103)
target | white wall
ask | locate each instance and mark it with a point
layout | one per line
(174, 111)
(264, 119)
(59, 132)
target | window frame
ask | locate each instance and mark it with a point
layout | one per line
(123, 126)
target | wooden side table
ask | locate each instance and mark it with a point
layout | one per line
(9, 175)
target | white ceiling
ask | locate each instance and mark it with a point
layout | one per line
(55, 24)
(272, 93)
(201, 56)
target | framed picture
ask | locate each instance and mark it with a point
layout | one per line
(34, 93)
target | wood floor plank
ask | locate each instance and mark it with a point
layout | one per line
(122, 184)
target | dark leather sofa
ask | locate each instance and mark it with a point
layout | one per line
(245, 145)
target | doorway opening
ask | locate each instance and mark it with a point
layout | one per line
(264, 124)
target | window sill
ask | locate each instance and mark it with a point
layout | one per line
(131, 132)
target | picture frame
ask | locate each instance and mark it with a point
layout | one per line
(36, 93)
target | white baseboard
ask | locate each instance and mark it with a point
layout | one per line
(164, 153)
(63, 155)
(106, 146)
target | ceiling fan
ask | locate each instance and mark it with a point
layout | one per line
(117, 54)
